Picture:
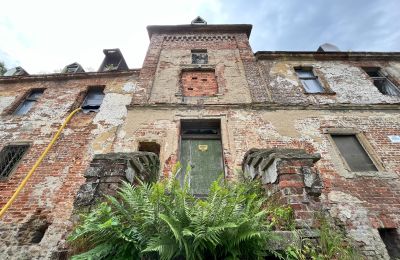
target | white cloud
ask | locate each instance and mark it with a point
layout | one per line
(43, 36)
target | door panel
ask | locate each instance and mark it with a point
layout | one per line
(205, 158)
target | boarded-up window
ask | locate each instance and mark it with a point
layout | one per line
(199, 57)
(199, 83)
(353, 152)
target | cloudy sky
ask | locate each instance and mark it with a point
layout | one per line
(45, 35)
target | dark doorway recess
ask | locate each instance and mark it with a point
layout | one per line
(150, 147)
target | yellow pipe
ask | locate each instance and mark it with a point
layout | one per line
(37, 163)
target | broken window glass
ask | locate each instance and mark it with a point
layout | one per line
(353, 153)
(383, 84)
(93, 100)
(29, 101)
(9, 157)
(309, 80)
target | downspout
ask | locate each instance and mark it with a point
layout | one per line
(37, 163)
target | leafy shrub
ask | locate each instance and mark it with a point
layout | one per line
(332, 244)
(164, 221)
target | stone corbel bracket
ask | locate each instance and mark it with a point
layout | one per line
(267, 165)
(107, 172)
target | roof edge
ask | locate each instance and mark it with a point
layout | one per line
(184, 28)
(339, 55)
(66, 76)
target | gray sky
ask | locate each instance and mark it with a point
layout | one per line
(45, 35)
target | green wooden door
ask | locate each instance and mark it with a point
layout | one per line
(205, 158)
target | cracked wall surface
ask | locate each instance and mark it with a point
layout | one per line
(54, 185)
(260, 103)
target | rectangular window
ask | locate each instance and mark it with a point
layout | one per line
(384, 85)
(309, 80)
(9, 158)
(94, 98)
(29, 101)
(353, 153)
(199, 57)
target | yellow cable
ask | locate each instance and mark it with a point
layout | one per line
(23, 183)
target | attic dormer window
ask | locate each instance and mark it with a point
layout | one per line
(199, 57)
(113, 61)
(94, 98)
(199, 21)
(73, 68)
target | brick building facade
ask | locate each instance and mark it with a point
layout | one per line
(320, 129)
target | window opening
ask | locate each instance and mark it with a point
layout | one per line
(353, 153)
(149, 147)
(9, 158)
(33, 231)
(29, 101)
(383, 84)
(93, 100)
(309, 80)
(199, 57)
(391, 239)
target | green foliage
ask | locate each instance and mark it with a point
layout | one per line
(3, 68)
(164, 221)
(332, 244)
(281, 217)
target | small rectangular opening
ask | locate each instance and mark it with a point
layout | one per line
(10, 155)
(391, 239)
(152, 147)
(200, 129)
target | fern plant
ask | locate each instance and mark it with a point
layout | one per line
(164, 221)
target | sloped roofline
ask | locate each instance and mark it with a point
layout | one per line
(189, 28)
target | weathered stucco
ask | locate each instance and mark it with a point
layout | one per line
(260, 103)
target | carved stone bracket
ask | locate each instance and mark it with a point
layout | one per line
(107, 172)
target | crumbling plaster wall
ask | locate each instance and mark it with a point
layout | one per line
(54, 185)
(223, 57)
(345, 81)
(242, 129)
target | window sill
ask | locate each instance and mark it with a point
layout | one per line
(373, 174)
(328, 93)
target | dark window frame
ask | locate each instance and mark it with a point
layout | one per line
(379, 79)
(362, 140)
(86, 106)
(31, 97)
(314, 77)
(8, 167)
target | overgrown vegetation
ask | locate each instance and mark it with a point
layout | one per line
(332, 244)
(164, 221)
